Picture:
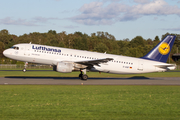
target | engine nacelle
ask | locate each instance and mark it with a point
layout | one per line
(63, 67)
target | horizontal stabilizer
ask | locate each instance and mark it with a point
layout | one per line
(166, 66)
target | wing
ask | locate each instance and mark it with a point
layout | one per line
(94, 62)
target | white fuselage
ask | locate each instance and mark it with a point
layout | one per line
(52, 55)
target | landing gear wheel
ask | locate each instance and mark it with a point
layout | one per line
(80, 76)
(84, 77)
(24, 70)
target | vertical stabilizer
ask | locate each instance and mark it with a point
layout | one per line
(162, 50)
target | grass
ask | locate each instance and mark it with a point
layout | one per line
(52, 102)
(47, 102)
(90, 74)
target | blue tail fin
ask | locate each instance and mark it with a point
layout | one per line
(162, 50)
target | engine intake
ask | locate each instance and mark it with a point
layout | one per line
(63, 67)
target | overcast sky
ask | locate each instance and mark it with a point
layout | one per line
(121, 18)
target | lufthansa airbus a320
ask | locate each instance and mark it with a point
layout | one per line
(66, 60)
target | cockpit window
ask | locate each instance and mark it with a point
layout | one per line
(14, 47)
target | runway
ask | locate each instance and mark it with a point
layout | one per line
(90, 81)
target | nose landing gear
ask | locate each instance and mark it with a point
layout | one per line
(25, 65)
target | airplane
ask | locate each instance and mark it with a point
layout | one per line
(66, 60)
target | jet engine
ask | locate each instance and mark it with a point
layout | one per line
(63, 67)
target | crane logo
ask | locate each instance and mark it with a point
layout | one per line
(164, 48)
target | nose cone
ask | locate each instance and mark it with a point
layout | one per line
(5, 53)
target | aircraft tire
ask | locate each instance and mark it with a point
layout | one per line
(80, 76)
(24, 70)
(84, 77)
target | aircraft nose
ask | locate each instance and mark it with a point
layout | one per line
(5, 53)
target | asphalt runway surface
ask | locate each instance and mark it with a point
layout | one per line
(91, 81)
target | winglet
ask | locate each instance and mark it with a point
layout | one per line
(162, 50)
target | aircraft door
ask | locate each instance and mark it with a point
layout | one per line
(27, 50)
(140, 65)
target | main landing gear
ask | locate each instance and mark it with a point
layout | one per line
(25, 65)
(83, 76)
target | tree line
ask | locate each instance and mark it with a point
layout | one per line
(98, 42)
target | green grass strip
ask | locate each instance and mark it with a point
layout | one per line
(52, 102)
